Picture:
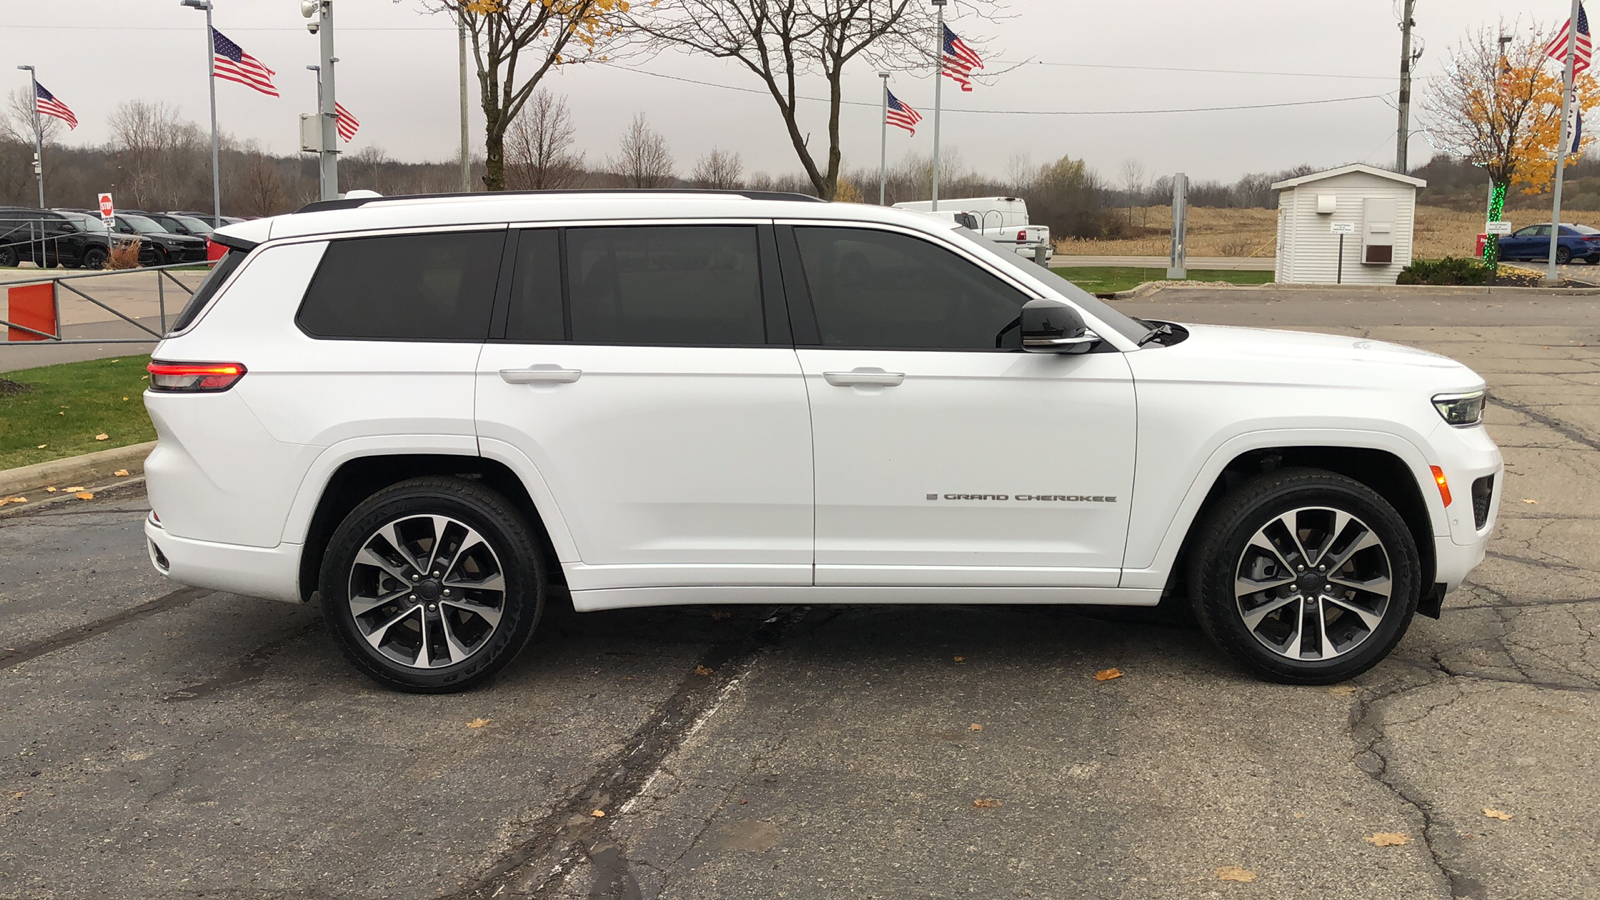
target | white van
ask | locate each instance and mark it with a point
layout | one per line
(1003, 220)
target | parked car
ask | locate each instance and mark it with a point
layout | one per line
(1003, 220)
(180, 223)
(1533, 242)
(50, 238)
(208, 218)
(434, 411)
(168, 247)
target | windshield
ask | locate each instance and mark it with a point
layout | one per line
(194, 225)
(143, 225)
(1086, 301)
(87, 223)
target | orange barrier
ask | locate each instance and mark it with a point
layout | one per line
(32, 306)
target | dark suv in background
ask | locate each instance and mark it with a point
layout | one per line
(168, 247)
(49, 238)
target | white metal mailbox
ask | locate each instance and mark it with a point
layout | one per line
(1382, 207)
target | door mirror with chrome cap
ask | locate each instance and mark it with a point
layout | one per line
(1049, 326)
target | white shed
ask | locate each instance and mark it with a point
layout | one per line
(1375, 208)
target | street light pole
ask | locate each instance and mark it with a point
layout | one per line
(938, 82)
(211, 69)
(466, 158)
(329, 106)
(883, 152)
(38, 131)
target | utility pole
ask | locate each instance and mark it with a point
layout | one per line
(883, 148)
(1563, 144)
(38, 130)
(466, 158)
(1403, 137)
(938, 82)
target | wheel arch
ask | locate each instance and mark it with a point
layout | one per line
(359, 477)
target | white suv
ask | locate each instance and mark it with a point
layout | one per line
(432, 410)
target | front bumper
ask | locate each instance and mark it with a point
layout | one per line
(272, 573)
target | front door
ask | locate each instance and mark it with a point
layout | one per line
(945, 455)
(659, 398)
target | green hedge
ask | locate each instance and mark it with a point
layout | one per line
(1449, 270)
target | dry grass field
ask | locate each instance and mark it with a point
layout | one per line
(1253, 232)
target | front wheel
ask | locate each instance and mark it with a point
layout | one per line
(432, 585)
(8, 257)
(1305, 577)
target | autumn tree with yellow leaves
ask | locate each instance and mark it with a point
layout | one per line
(1499, 107)
(516, 43)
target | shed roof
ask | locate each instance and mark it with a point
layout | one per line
(1347, 170)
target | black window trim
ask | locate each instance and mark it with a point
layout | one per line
(775, 308)
(799, 287)
(329, 239)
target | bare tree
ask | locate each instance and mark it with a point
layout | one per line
(539, 154)
(158, 151)
(1133, 179)
(539, 33)
(643, 160)
(262, 192)
(16, 119)
(718, 170)
(1021, 173)
(779, 41)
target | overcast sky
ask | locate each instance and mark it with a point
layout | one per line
(398, 75)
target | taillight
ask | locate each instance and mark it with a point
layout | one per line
(193, 378)
(1022, 236)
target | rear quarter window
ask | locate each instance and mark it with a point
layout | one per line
(412, 287)
(208, 288)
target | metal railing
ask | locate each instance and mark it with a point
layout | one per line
(162, 274)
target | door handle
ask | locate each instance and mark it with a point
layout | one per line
(542, 374)
(857, 377)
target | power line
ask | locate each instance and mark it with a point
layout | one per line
(1207, 71)
(342, 28)
(1017, 112)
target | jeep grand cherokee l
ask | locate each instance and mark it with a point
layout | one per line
(427, 411)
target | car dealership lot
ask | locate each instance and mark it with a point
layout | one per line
(161, 741)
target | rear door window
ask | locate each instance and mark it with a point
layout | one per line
(411, 287)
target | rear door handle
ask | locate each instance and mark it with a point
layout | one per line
(542, 374)
(864, 376)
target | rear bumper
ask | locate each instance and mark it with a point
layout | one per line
(269, 572)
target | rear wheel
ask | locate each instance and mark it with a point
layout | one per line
(8, 257)
(1305, 577)
(1563, 256)
(432, 585)
(94, 258)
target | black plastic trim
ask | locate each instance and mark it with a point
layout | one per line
(357, 202)
(802, 318)
(234, 243)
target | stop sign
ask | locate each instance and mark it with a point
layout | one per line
(106, 209)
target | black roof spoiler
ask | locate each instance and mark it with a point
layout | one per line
(356, 202)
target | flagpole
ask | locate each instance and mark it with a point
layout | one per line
(211, 77)
(1550, 276)
(938, 83)
(883, 154)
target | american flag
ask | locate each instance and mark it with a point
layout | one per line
(1557, 49)
(233, 64)
(901, 115)
(959, 59)
(347, 124)
(50, 106)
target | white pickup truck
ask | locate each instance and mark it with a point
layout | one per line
(1003, 220)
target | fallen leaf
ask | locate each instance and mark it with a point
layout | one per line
(479, 722)
(598, 814)
(1107, 674)
(1299, 815)
(116, 360)
(988, 803)
(1526, 500)
(49, 490)
(974, 727)
(62, 413)
(1235, 873)
(76, 487)
(959, 658)
(5, 500)
(18, 795)
(1497, 814)
(1387, 839)
(41, 446)
(702, 670)
(124, 399)
(85, 495)
(1342, 690)
(121, 473)
(102, 436)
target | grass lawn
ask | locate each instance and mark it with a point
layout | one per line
(68, 405)
(1110, 279)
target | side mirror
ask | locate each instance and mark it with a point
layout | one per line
(1052, 327)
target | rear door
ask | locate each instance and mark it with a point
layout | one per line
(645, 374)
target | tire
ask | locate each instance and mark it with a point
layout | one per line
(160, 257)
(94, 258)
(430, 626)
(8, 257)
(1563, 256)
(1247, 536)
(1592, 260)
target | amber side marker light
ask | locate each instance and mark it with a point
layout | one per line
(1443, 483)
(193, 378)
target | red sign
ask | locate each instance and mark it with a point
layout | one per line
(106, 209)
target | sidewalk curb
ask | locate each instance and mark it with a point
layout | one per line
(1150, 287)
(85, 469)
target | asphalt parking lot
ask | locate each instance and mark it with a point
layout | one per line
(158, 741)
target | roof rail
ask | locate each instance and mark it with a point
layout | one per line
(355, 202)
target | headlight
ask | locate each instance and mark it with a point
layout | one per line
(1461, 410)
